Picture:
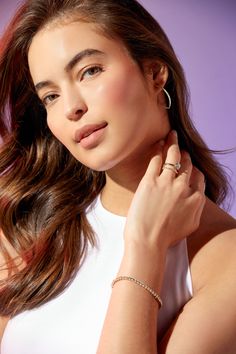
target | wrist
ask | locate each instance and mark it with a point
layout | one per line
(141, 284)
(147, 252)
(143, 263)
(146, 241)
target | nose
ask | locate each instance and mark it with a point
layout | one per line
(74, 106)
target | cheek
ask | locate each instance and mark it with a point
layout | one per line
(52, 126)
(57, 129)
(122, 91)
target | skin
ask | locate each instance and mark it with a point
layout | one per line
(112, 91)
(116, 92)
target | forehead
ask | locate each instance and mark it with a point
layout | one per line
(54, 45)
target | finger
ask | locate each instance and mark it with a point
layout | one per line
(173, 156)
(185, 170)
(155, 164)
(197, 180)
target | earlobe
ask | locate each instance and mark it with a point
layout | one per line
(160, 76)
(157, 74)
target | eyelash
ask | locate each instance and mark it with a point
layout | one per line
(97, 68)
(44, 100)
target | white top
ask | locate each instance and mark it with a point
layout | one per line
(72, 322)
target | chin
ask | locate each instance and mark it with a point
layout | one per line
(100, 166)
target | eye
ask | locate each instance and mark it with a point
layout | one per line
(49, 99)
(91, 71)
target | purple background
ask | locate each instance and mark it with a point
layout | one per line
(203, 34)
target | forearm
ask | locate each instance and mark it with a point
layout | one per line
(164, 209)
(131, 321)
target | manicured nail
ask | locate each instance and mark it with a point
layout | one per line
(174, 132)
(161, 142)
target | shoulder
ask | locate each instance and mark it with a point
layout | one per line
(212, 247)
(212, 252)
(209, 318)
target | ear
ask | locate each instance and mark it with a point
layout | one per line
(158, 74)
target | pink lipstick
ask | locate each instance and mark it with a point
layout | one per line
(89, 135)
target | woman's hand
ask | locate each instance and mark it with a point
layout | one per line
(166, 207)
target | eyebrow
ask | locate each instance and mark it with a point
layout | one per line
(69, 67)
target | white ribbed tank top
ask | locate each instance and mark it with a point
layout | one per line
(72, 322)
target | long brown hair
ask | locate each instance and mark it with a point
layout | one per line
(44, 191)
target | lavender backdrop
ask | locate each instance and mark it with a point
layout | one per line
(203, 35)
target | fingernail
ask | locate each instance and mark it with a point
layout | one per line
(174, 132)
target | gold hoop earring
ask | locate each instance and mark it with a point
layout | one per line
(169, 98)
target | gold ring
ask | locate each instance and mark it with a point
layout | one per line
(176, 165)
(171, 168)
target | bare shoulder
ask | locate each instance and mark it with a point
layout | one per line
(207, 323)
(212, 247)
(214, 221)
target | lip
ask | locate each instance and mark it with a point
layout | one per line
(88, 135)
(87, 130)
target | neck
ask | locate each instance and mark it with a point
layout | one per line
(122, 182)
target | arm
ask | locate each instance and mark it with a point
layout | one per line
(131, 320)
(153, 224)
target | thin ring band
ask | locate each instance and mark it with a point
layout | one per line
(176, 165)
(171, 168)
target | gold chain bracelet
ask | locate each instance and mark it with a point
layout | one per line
(138, 282)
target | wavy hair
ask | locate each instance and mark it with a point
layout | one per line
(44, 191)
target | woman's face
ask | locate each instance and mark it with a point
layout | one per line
(99, 104)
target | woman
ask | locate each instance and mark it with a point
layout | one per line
(102, 179)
